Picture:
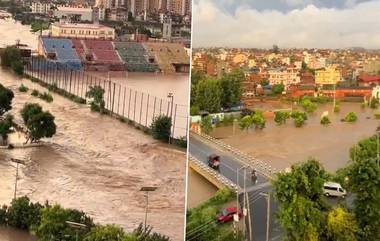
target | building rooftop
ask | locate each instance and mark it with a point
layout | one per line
(80, 25)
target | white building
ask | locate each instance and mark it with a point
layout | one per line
(41, 7)
(79, 13)
(79, 30)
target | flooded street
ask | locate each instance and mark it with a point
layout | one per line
(97, 164)
(284, 145)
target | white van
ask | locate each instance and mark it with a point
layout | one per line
(333, 189)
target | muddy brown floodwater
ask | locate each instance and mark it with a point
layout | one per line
(11, 234)
(199, 189)
(281, 146)
(97, 164)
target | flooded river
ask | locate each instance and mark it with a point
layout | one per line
(199, 189)
(284, 145)
(96, 163)
(11, 234)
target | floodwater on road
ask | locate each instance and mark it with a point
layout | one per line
(97, 164)
(11, 234)
(282, 146)
(199, 189)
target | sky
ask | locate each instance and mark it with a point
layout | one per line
(286, 23)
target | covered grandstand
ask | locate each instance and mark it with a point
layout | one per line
(136, 57)
(98, 54)
(171, 57)
(60, 51)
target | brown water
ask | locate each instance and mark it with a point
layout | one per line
(284, 145)
(198, 189)
(11, 234)
(97, 164)
(11, 31)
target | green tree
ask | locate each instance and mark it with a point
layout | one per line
(107, 232)
(97, 95)
(278, 88)
(10, 55)
(299, 194)
(208, 95)
(5, 128)
(6, 97)
(374, 103)
(39, 123)
(258, 119)
(53, 224)
(308, 105)
(206, 125)
(350, 117)
(23, 214)
(299, 118)
(161, 127)
(341, 225)
(231, 88)
(280, 117)
(246, 122)
(145, 234)
(325, 120)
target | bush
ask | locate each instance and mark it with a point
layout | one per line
(23, 88)
(46, 97)
(377, 115)
(308, 106)
(206, 125)
(23, 214)
(17, 67)
(325, 120)
(181, 142)
(280, 117)
(278, 89)
(351, 117)
(299, 118)
(336, 108)
(161, 127)
(35, 93)
(374, 103)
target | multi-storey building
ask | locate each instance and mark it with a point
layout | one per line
(76, 30)
(41, 7)
(286, 76)
(327, 76)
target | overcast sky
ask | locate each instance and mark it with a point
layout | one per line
(287, 23)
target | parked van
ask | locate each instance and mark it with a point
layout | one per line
(333, 189)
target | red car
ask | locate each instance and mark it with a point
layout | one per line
(227, 215)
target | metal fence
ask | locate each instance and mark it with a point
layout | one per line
(120, 100)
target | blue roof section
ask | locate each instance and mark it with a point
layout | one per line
(64, 51)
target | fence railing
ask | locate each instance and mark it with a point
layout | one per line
(120, 100)
(260, 165)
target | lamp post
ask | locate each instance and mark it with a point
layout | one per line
(237, 193)
(171, 97)
(77, 227)
(147, 190)
(267, 196)
(17, 161)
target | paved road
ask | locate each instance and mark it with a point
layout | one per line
(201, 149)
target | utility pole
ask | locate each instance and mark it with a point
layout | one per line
(17, 161)
(249, 218)
(147, 190)
(267, 196)
(244, 203)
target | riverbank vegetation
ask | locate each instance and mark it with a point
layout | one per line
(305, 215)
(6, 120)
(11, 58)
(201, 224)
(52, 222)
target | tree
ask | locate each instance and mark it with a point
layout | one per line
(40, 123)
(53, 224)
(299, 194)
(278, 88)
(5, 128)
(10, 55)
(325, 120)
(208, 95)
(308, 105)
(107, 232)
(275, 49)
(280, 117)
(97, 95)
(206, 125)
(258, 119)
(374, 103)
(161, 127)
(146, 234)
(23, 214)
(6, 97)
(341, 225)
(350, 117)
(231, 88)
(246, 122)
(299, 118)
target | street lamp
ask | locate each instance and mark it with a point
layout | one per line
(267, 196)
(147, 190)
(77, 227)
(17, 161)
(171, 97)
(244, 191)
